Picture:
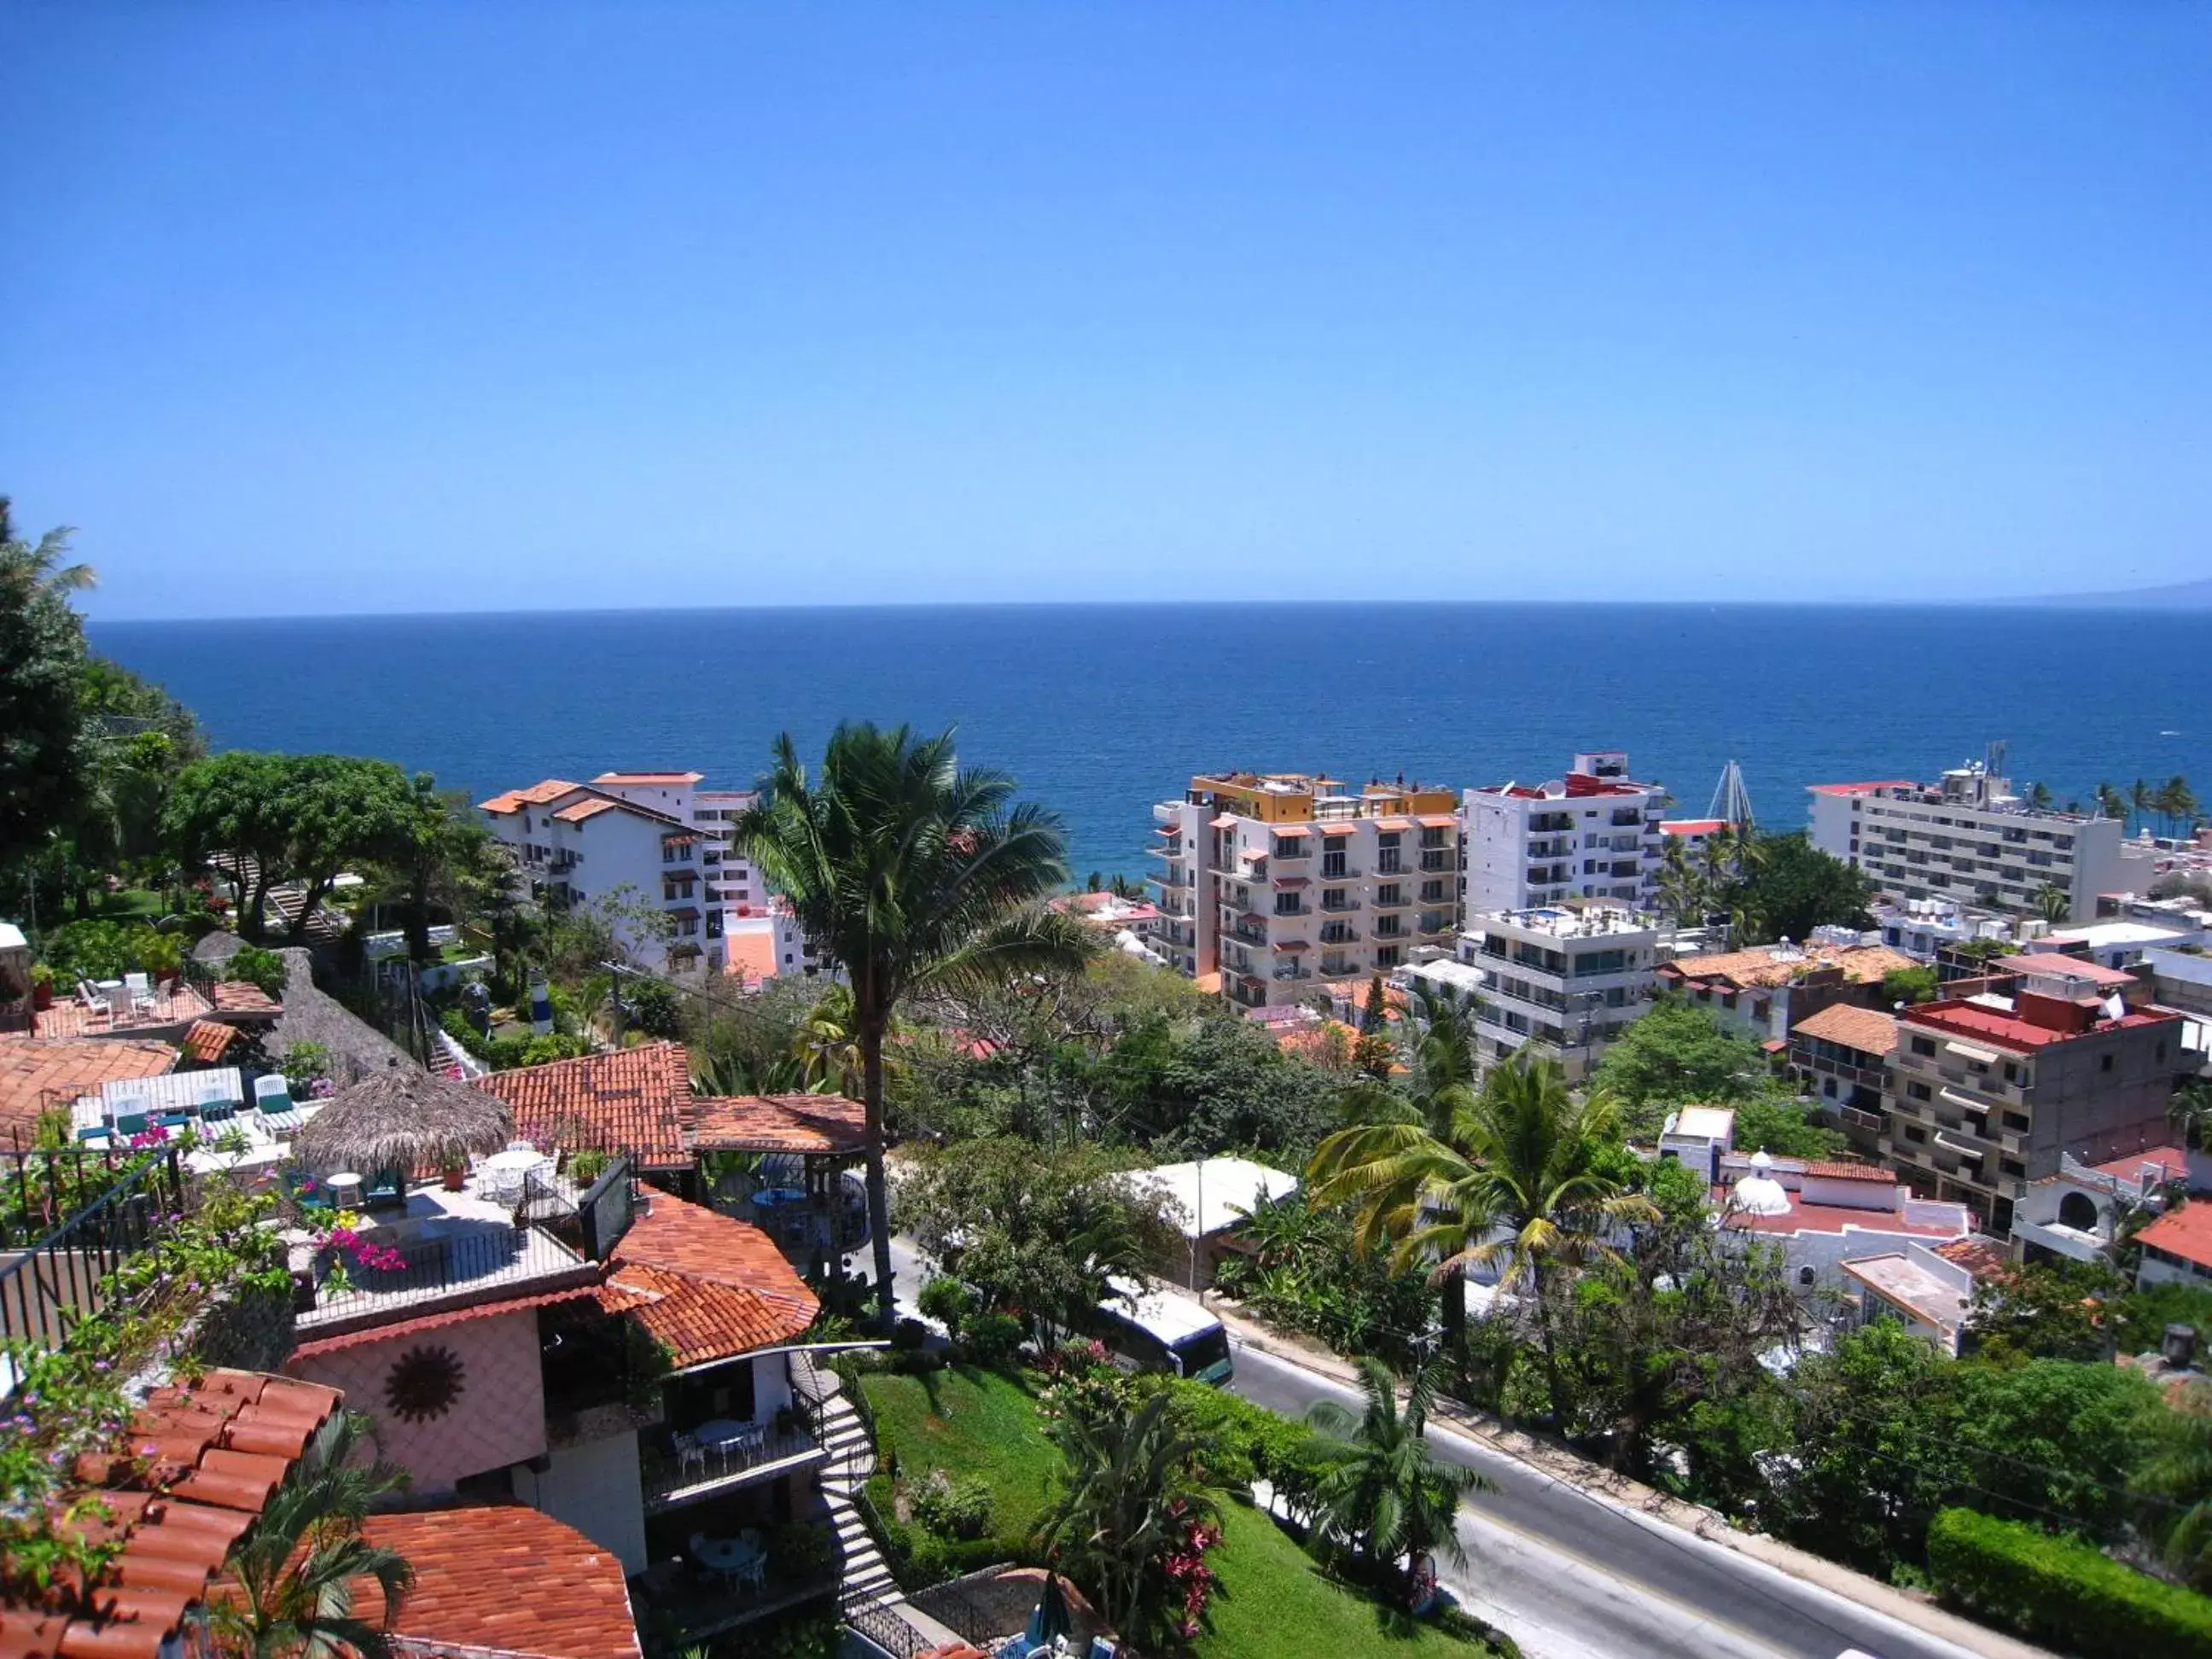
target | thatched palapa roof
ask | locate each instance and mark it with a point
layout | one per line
(405, 1116)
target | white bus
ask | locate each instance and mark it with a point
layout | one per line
(1156, 1330)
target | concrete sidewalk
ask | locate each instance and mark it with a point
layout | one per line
(1635, 1498)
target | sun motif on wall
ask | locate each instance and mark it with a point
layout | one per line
(423, 1383)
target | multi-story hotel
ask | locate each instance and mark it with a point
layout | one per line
(1970, 838)
(1593, 834)
(1565, 979)
(632, 835)
(2049, 1057)
(1275, 882)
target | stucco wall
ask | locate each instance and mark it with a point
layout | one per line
(497, 1419)
(594, 1487)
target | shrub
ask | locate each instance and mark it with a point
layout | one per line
(1244, 1442)
(802, 1550)
(304, 1062)
(106, 950)
(947, 1301)
(587, 1166)
(993, 1340)
(954, 1509)
(252, 965)
(2055, 1589)
(910, 1334)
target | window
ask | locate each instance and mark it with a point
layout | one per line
(1916, 1135)
(1918, 1091)
(1332, 858)
(2079, 1212)
(2104, 1062)
(1431, 892)
(1806, 1276)
(1387, 956)
(1924, 1045)
(1287, 904)
(1388, 926)
(1388, 859)
(1432, 837)
(1390, 892)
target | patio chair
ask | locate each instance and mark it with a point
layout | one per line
(688, 1452)
(93, 1131)
(272, 1097)
(141, 991)
(131, 1123)
(218, 1111)
(386, 1188)
(95, 1006)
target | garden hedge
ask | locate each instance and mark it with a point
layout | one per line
(2066, 1592)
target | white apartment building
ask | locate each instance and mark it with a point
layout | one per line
(1568, 979)
(1271, 884)
(577, 843)
(1970, 838)
(1592, 834)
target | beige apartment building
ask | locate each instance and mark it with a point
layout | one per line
(2049, 1057)
(1273, 883)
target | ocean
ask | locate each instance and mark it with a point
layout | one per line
(1100, 710)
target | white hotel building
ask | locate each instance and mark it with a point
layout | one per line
(1971, 838)
(654, 833)
(1565, 981)
(1593, 834)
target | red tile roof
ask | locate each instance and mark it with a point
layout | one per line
(536, 795)
(196, 1466)
(708, 1285)
(510, 1581)
(1868, 1031)
(316, 1348)
(2184, 1232)
(589, 807)
(779, 1123)
(750, 953)
(1822, 1171)
(208, 1039)
(2052, 964)
(40, 1073)
(236, 1000)
(635, 1101)
(1690, 826)
(1972, 1021)
(1863, 964)
(2172, 1159)
(1985, 1258)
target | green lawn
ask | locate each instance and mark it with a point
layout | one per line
(1274, 1600)
(133, 902)
(969, 1422)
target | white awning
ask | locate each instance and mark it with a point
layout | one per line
(1988, 1057)
(1966, 1101)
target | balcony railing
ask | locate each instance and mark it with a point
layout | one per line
(473, 1262)
(50, 1280)
(671, 1479)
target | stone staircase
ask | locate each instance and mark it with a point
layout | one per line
(867, 1595)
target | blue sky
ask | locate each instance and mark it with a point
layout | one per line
(325, 308)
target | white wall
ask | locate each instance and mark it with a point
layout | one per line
(594, 1487)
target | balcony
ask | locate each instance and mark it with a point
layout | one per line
(1338, 904)
(672, 1479)
(695, 1604)
(1437, 862)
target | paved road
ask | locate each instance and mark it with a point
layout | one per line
(1573, 1577)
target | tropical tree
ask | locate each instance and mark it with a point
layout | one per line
(2181, 1475)
(439, 856)
(2038, 797)
(1382, 1496)
(2111, 803)
(910, 872)
(2177, 804)
(298, 1567)
(2190, 1110)
(1135, 1501)
(1685, 891)
(45, 765)
(829, 1059)
(2140, 798)
(2052, 902)
(1518, 1183)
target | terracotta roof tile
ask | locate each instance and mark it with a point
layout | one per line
(1863, 964)
(708, 1285)
(509, 1580)
(589, 807)
(749, 953)
(2184, 1232)
(779, 1123)
(236, 999)
(325, 1345)
(2172, 1162)
(207, 1040)
(1824, 1171)
(1985, 1258)
(635, 1101)
(37, 1074)
(219, 1447)
(1869, 1030)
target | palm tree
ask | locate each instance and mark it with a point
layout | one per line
(2140, 798)
(1514, 1185)
(2111, 803)
(298, 1565)
(2182, 1472)
(39, 564)
(1382, 1496)
(2053, 904)
(1684, 892)
(827, 1056)
(2190, 1110)
(2177, 803)
(912, 874)
(1133, 1499)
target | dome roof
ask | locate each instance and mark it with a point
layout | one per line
(1759, 1193)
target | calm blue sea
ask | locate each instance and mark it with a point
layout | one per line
(1100, 710)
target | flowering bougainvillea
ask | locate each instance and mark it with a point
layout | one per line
(1190, 1581)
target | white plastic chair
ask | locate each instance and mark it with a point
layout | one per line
(141, 990)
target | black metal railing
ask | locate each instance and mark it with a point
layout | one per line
(486, 1256)
(665, 1473)
(883, 1627)
(48, 1284)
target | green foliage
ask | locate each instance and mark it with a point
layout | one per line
(252, 965)
(1908, 985)
(1789, 887)
(1782, 1127)
(107, 950)
(947, 1301)
(1307, 1276)
(1678, 1055)
(965, 1422)
(587, 1166)
(2045, 1311)
(2140, 1318)
(1191, 1090)
(954, 1508)
(992, 1340)
(653, 1008)
(304, 1062)
(2058, 1590)
(46, 757)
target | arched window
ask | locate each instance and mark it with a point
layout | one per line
(2079, 1212)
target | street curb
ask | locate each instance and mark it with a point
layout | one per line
(1636, 1499)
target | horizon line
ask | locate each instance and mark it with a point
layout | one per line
(2057, 602)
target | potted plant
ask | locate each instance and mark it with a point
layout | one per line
(457, 1175)
(42, 986)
